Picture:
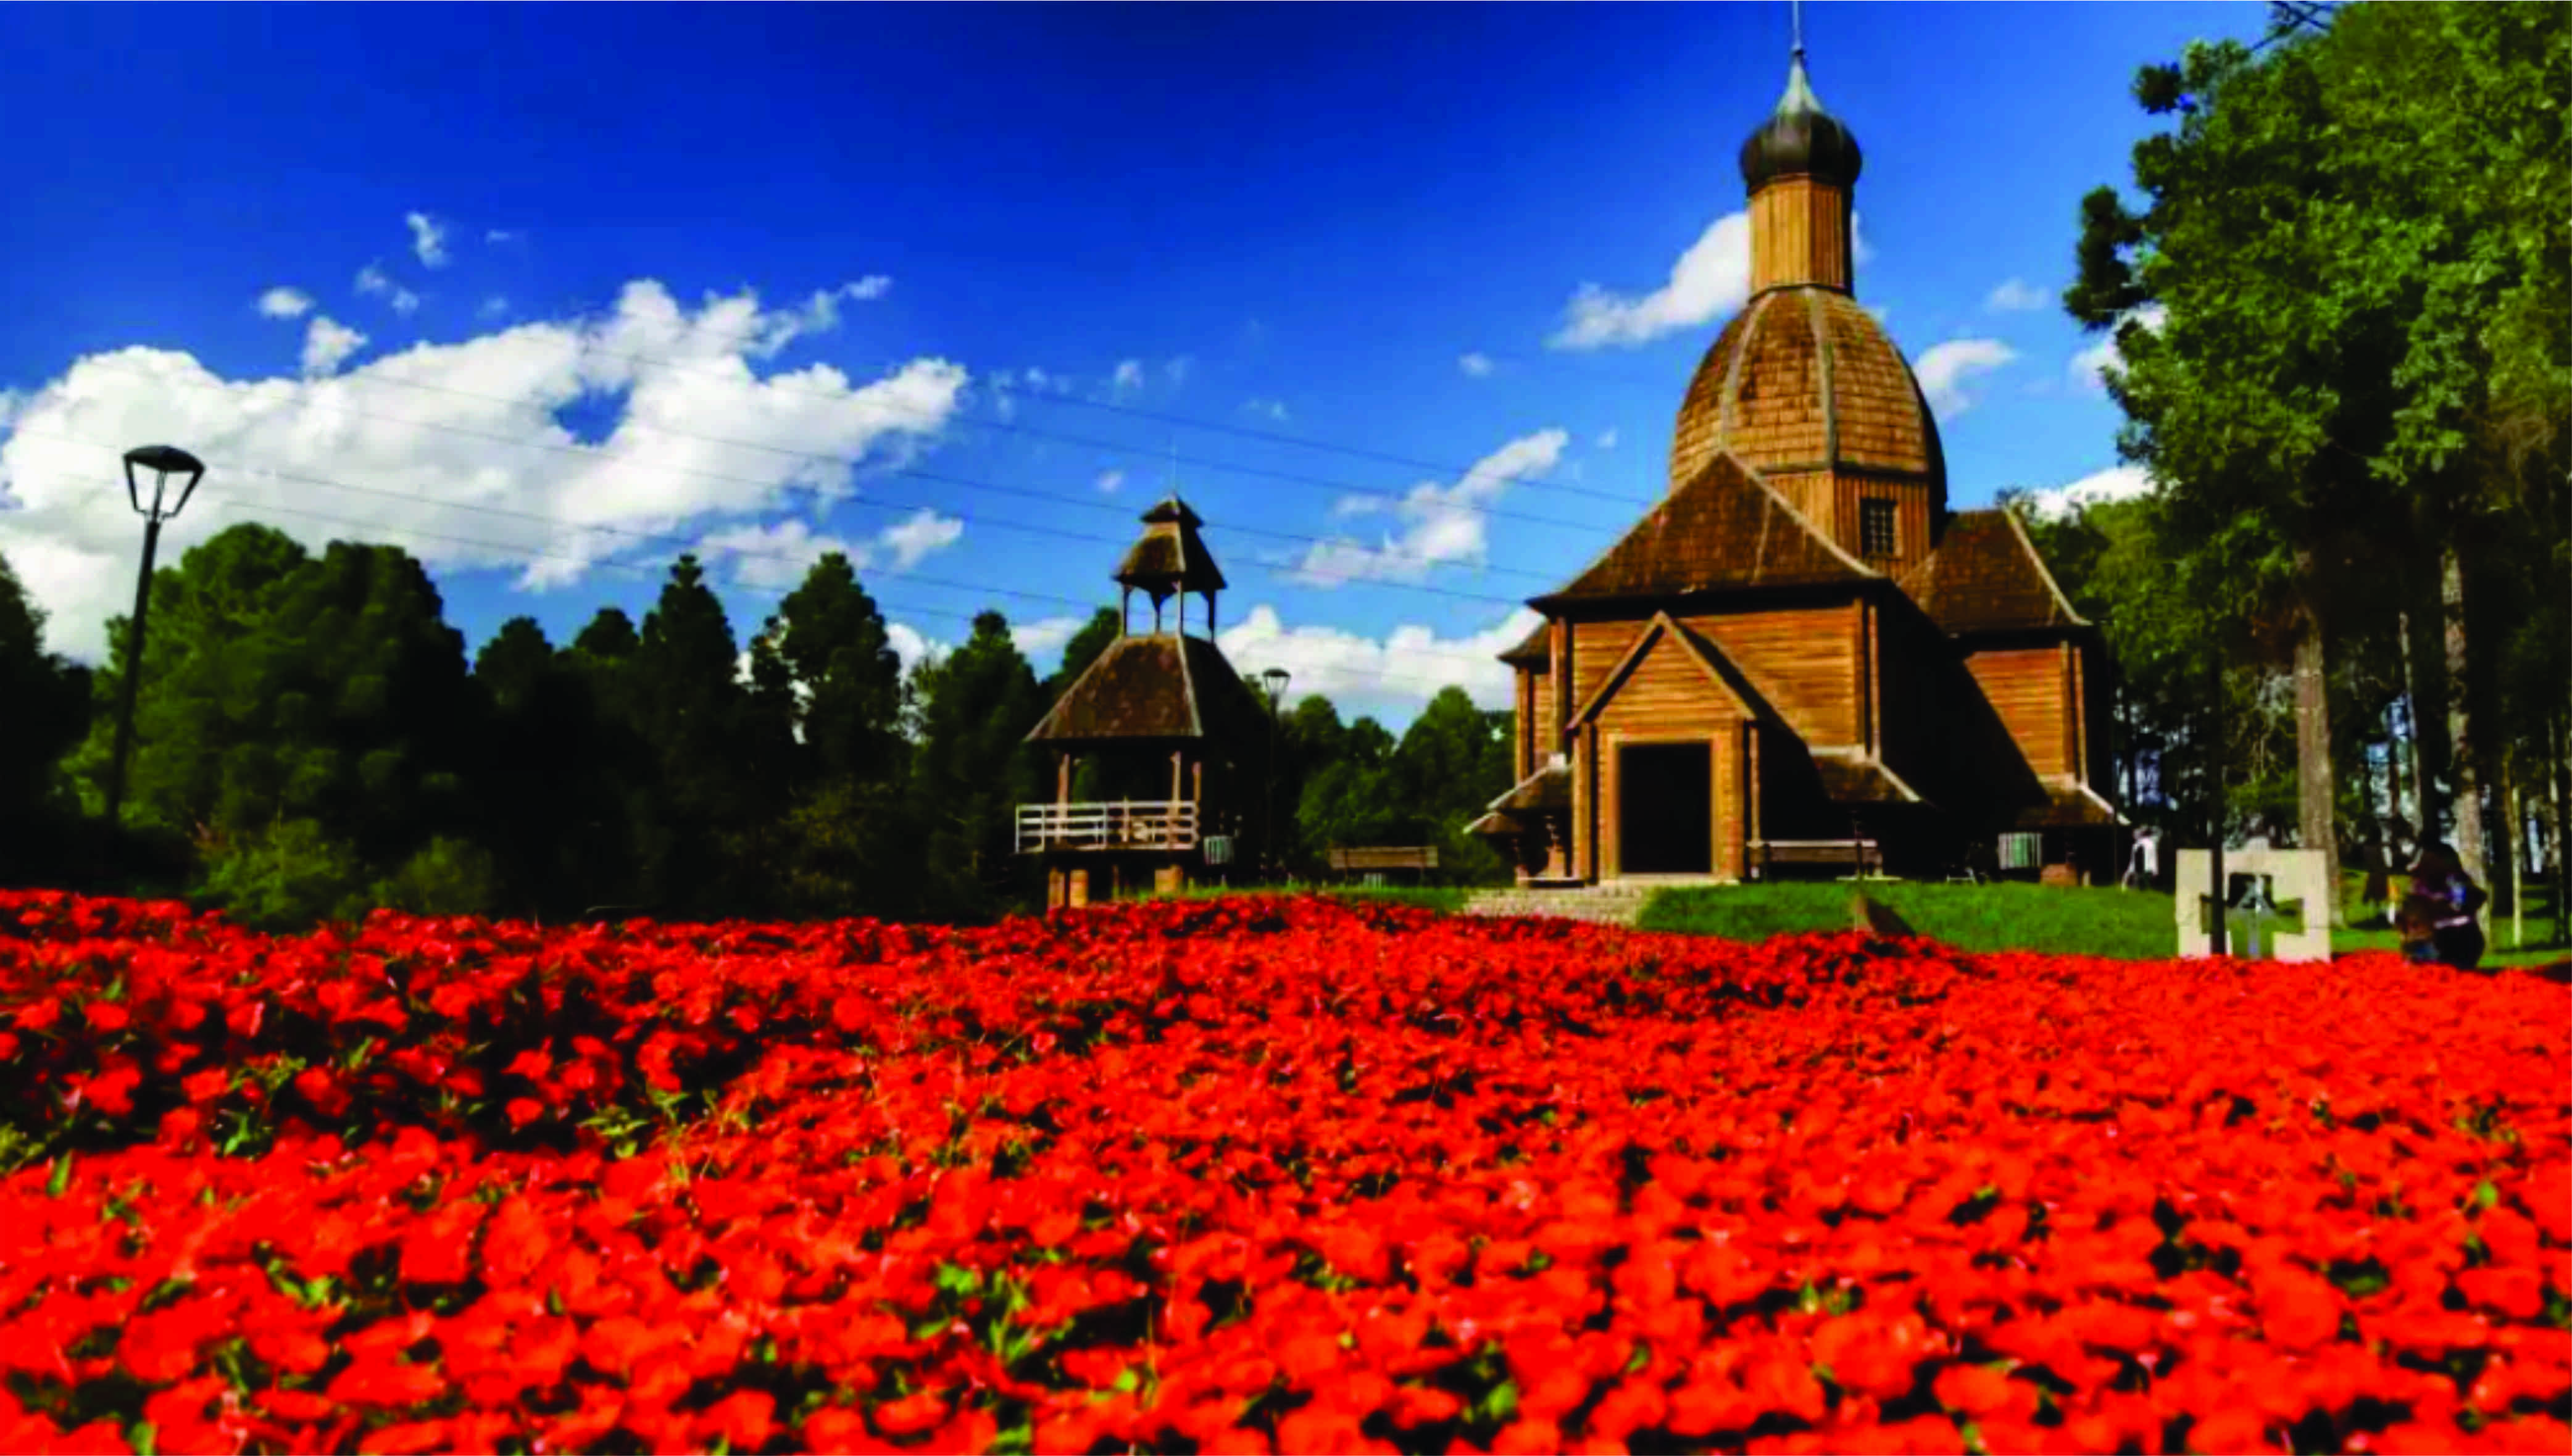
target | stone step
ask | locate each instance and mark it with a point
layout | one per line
(1595, 903)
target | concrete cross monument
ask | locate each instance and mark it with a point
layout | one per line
(2273, 904)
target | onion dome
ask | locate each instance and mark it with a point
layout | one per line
(1800, 139)
(1805, 380)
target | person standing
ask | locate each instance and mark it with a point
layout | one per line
(2442, 903)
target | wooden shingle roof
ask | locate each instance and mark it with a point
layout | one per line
(1986, 577)
(1170, 556)
(1536, 649)
(1725, 529)
(1804, 378)
(1164, 686)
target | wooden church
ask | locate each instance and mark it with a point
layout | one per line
(1153, 742)
(1801, 656)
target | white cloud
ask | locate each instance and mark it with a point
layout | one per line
(1039, 638)
(1440, 523)
(821, 312)
(1393, 674)
(492, 307)
(328, 344)
(1108, 480)
(1267, 408)
(1608, 440)
(1476, 365)
(776, 556)
(694, 432)
(1944, 368)
(2117, 482)
(1711, 276)
(911, 646)
(2016, 295)
(501, 235)
(1859, 252)
(2090, 366)
(427, 239)
(1129, 374)
(284, 302)
(1179, 368)
(918, 535)
(371, 281)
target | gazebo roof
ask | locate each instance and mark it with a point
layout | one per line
(1170, 556)
(1163, 687)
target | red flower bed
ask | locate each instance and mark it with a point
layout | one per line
(1262, 1175)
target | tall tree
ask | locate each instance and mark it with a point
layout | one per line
(2255, 379)
(2356, 241)
(973, 766)
(309, 721)
(684, 698)
(48, 711)
(838, 652)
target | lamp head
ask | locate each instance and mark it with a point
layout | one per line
(163, 462)
(1274, 679)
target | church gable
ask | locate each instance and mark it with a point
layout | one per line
(1671, 678)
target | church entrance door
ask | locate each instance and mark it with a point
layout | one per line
(1666, 808)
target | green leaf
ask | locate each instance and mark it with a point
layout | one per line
(62, 1179)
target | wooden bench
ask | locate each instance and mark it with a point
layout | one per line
(1861, 856)
(1374, 862)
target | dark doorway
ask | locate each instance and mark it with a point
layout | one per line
(1666, 808)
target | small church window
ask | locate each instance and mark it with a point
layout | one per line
(1875, 527)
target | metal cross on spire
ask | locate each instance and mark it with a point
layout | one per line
(1795, 14)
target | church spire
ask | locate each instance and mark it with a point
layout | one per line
(1800, 167)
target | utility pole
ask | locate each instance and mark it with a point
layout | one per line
(163, 462)
(1274, 680)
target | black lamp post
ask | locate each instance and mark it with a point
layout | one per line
(165, 462)
(1274, 679)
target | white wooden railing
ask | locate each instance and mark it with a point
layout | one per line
(1122, 824)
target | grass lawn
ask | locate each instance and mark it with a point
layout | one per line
(2134, 925)
(2131, 925)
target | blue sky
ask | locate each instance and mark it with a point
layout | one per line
(1403, 297)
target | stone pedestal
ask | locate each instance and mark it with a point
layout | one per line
(2277, 904)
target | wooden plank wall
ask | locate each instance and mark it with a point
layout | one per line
(2028, 688)
(1597, 649)
(1799, 234)
(1805, 659)
(1669, 699)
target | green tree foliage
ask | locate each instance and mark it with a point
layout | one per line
(834, 643)
(2342, 306)
(47, 711)
(972, 768)
(295, 708)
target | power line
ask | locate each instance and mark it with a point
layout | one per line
(749, 335)
(684, 543)
(1119, 448)
(909, 472)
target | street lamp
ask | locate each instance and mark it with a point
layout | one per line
(165, 462)
(1274, 679)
